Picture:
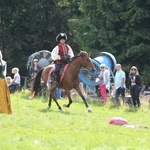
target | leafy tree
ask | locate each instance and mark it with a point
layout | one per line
(29, 26)
(118, 26)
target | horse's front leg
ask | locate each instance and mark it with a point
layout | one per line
(69, 97)
(77, 88)
(52, 96)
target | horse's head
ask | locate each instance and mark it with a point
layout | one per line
(86, 61)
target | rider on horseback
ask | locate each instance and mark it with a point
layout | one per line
(61, 55)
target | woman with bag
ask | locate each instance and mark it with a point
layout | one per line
(135, 81)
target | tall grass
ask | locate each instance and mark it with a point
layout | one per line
(33, 127)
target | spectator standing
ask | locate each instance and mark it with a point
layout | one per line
(104, 85)
(5, 103)
(3, 64)
(34, 70)
(135, 82)
(15, 81)
(120, 86)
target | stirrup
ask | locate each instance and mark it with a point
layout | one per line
(52, 79)
(52, 85)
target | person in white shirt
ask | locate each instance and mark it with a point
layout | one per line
(120, 86)
(61, 55)
(15, 81)
(3, 64)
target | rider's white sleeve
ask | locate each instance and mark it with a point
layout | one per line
(70, 52)
(54, 53)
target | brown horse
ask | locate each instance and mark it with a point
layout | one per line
(69, 81)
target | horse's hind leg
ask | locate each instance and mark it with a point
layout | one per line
(69, 97)
(83, 98)
(50, 101)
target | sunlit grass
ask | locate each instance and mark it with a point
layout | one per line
(33, 127)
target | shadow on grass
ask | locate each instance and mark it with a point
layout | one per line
(46, 110)
(131, 109)
(23, 94)
(97, 103)
(114, 106)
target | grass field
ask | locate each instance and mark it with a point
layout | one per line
(33, 127)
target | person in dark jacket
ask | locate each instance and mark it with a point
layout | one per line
(34, 70)
(135, 81)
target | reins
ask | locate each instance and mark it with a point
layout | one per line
(65, 74)
(70, 64)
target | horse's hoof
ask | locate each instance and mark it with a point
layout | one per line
(61, 110)
(89, 110)
(49, 106)
(65, 105)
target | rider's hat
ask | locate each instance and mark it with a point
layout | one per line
(61, 36)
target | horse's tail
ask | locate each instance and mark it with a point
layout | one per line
(37, 84)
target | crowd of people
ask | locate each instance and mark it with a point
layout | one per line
(119, 89)
(60, 54)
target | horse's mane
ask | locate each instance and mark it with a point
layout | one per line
(81, 53)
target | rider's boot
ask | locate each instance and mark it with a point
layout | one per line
(54, 80)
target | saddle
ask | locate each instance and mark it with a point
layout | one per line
(61, 73)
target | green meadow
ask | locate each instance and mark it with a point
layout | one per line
(33, 127)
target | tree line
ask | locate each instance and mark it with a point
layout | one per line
(120, 27)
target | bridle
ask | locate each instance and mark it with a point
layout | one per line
(70, 63)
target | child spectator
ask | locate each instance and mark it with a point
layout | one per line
(15, 81)
(8, 80)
